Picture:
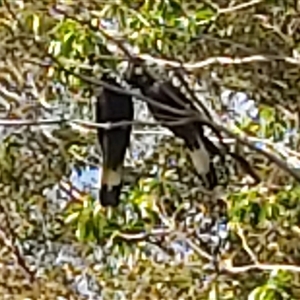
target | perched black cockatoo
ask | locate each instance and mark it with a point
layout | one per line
(201, 149)
(113, 107)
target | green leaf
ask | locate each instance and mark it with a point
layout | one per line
(81, 231)
(72, 217)
(204, 14)
(36, 24)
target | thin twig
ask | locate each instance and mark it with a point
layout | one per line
(245, 245)
(239, 7)
(21, 122)
(128, 123)
(198, 250)
(159, 232)
(262, 267)
(90, 124)
(221, 60)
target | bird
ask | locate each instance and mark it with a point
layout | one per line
(112, 107)
(200, 148)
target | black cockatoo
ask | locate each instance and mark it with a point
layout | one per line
(201, 149)
(113, 107)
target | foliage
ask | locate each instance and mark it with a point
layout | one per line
(241, 244)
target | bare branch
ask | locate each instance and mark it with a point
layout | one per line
(262, 267)
(221, 60)
(89, 124)
(239, 7)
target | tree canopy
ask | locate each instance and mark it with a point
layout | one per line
(169, 238)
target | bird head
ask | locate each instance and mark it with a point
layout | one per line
(136, 74)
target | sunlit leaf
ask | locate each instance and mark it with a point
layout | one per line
(72, 217)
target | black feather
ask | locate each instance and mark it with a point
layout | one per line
(113, 107)
(200, 147)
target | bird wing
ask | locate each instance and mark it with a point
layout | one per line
(191, 132)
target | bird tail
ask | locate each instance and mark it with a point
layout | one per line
(203, 163)
(200, 157)
(111, 185)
